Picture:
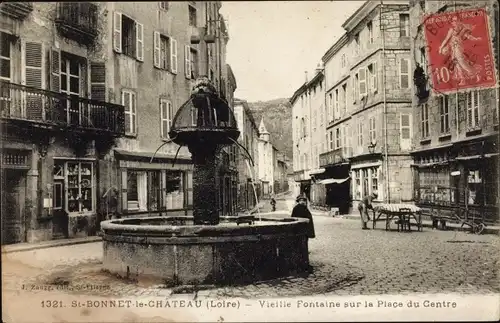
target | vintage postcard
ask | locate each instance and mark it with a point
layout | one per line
(250, 161)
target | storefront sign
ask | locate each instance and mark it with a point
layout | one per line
(460, 52)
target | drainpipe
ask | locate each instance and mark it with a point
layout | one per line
(457, 121)
(387, 191)
(497, 92)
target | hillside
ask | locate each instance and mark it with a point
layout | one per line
(278, 119)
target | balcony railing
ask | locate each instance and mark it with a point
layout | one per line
(16, 10)
(336, 156)
(78, 20)
(18, 102)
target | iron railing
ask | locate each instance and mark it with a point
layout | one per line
(78, 16)
(21, 102)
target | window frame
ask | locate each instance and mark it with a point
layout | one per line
(424, 121)
(369, 26)
(401, 74)
(165, 105)
(190, 8)
(132, 110)
(473, 103)
(444, 114)
(9, 59)
(372, 130)
(404, 26)
(360, 134)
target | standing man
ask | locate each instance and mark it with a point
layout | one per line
(364, 205)
(301, 211)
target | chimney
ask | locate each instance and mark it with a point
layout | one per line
(306, 76)
(318, 68)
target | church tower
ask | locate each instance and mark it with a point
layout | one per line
(263, 133)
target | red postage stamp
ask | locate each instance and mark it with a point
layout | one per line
(460, 51)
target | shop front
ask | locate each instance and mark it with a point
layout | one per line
(463, 175)
(154, 188)
(335, 180)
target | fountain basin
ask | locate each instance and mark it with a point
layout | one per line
(176, 252)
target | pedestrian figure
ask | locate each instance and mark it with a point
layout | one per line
(300, 210)
(273, 203)
(363, 207)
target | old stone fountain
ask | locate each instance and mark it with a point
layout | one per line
(205, 248)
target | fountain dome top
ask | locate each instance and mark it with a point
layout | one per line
(205, 118)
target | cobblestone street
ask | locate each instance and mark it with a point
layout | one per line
(345, 260)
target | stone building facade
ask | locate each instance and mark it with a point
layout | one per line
(308, 122)
(368, 106)
(92, 91)
(248, 185)
(455, 135)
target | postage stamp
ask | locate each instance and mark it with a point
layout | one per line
(460, 50)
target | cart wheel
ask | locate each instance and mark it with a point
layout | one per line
(478, 228)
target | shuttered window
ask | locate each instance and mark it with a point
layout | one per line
(166, 116)
(173, 55)
(404, 73)
(55, 70)
(405, 131)
(5, 57)
(187, 61)
(34, 77)
(473, 109)
(98, 81)
(129, 102)
(128, 36)
(362, 82)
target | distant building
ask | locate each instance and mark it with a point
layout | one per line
(280, 174)
(247, 173)
(368, 96)
(266, 160)
(308, 122)
(455, 138)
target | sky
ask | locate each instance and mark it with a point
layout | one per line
(273, 43)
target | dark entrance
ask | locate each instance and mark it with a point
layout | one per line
(338, 193)
(13, 202)
(60, 216)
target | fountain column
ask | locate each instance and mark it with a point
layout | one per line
(204, 185)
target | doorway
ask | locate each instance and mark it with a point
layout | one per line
(60, 216)
(13, 202)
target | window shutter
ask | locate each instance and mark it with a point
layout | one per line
(124, 189)
(34, 77)
(98, 81)
(404, 73)
(374, 77)
(362, 82)
(187, 61)
(139, 36)
(164, 121)
(157, 50)
(170, 111)
(117, 32)
(173, 55)
(133, 116)
(55, 70)
(405, 131)
(189, 188)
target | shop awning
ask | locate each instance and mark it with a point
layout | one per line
(333, 181)
(317, 171)
(476, 156)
